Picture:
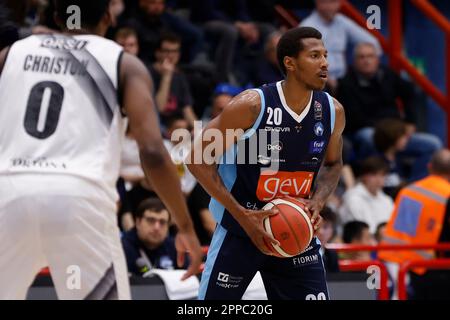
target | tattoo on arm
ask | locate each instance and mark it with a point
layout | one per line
(327, 181)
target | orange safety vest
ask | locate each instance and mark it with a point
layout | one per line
(417, 218)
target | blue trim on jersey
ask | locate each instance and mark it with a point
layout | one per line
(228, 173)
(255, 126)
(323, 264)
(213, 252)
(332, 111)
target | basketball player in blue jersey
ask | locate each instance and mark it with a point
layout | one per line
(308, 151)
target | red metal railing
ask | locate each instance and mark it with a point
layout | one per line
(393, 47)
(361, 265)
(351, 265)
(406, 266)
(387, 247)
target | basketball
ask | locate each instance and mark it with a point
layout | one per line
(291, 227)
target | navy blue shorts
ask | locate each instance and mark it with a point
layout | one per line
(233, 261)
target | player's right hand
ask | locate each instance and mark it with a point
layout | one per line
(187, 242)
(252, 221)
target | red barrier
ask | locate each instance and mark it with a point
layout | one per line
(406, 266)
(388, 247)
(432, 264)
(351, 265)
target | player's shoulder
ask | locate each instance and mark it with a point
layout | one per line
(247, 101)
(338, 108)
(337, 105)
(339, 112)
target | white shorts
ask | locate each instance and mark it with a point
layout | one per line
(66, 224)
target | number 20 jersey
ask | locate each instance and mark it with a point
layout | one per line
(59, 110)
(296, 142)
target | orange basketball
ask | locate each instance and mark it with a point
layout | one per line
(291, 227)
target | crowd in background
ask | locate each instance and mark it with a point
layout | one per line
(202, 53)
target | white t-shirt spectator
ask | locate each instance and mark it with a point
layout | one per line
(359, 204)
(337, 35)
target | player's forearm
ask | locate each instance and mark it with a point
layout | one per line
(208, 177)
(160, 170)
(327, 181)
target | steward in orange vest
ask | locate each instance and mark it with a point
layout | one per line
(422, 216)
(418, 218)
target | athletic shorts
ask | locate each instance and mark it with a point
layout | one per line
(66, 224)
(233, 261)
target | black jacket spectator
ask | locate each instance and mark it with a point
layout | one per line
(163, 257)
(368, 101)
(8, 31)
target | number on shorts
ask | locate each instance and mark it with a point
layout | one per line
(320, 296)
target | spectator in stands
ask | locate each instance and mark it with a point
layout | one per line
(149, 245)
(358, 233)
(325, 235)
(172, 90)
(338, 32)
(370, 93)
(390, 138)
(197, 198)
(267, 70)
(128, 39)
(231, 29)
(422, 216)
(379, 233)
(366, 201)
(151, 19)
(116, 8)
(223, 93)
(8, 30)
(29, 17)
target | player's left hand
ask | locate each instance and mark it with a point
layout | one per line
(313, 208)
(187, 242)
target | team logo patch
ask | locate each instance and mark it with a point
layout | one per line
(319, 129)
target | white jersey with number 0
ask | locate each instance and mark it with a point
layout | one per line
(59, 109)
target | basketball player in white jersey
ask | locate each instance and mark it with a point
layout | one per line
(65, 103)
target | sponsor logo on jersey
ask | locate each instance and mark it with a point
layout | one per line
(313, 162)
(227, 281)
(305, 260)
(298, 128)
(317, 111)
(263, 160)
(272, 184)
(277, 129)
(318, 129)
(63, 43)
(275, 147)
(251, 206)
(316, 146)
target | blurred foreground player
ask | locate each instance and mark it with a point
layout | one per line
(61, 129)
(309, 124)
